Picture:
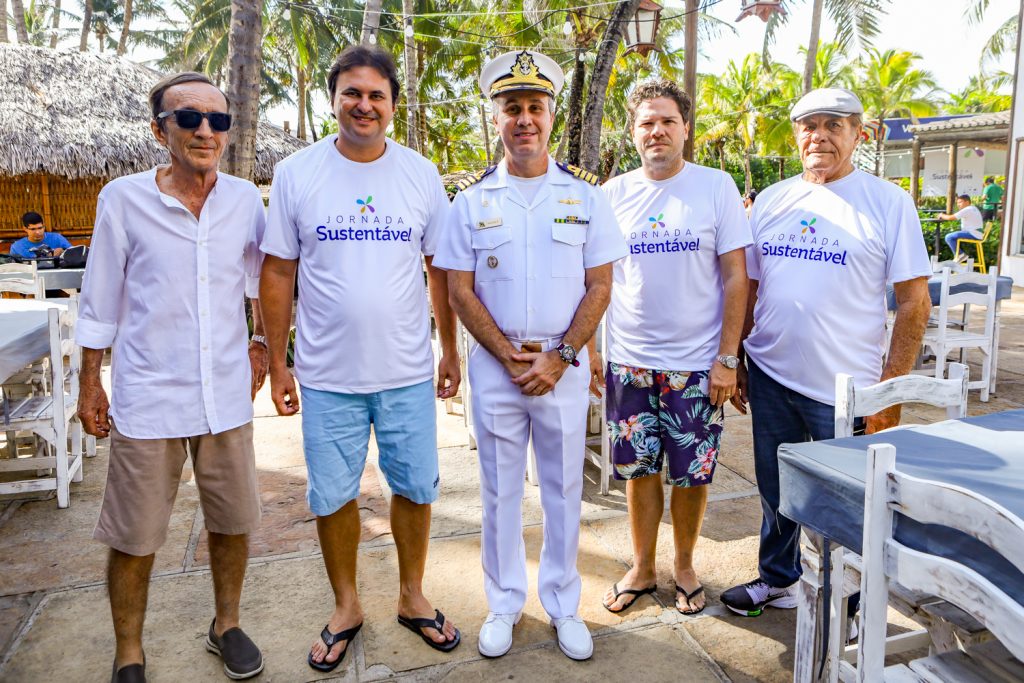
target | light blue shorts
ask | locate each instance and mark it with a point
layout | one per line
(336, 433)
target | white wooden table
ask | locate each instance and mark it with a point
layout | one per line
(57, 278)
(24, 336)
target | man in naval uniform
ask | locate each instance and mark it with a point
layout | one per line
(529, 249)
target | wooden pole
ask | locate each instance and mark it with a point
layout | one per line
(47, 217)
(915, 171)
(951, 188)
(690, 73)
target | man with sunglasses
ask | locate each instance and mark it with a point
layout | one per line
(174, 250)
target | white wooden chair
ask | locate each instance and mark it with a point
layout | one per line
(852, 403)
(944, 338)
(21, 278)
(51, 416)
(889, 563)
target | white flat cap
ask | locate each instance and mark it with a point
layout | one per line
(834, 101)
(526, 70)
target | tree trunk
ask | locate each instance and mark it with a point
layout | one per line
(879, 143)
(408, 9)
(593, 116)
(371, 22)
(574, 124)
(748, 178)
(300, 87)
(620, 149)
(782, 169)
(951, 183)
(485, 126)
(690, 74)
(915, 171)
(3, 22)
(18, 9)
(721, 157)
(55, 25)
(245, 61)
(126, 27)
(83, 40)
(812, 46)
(312, 123)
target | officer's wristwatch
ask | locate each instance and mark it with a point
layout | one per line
(259, 339)
(730, 362)
(568, 354)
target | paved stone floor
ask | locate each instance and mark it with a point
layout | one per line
(54, 618)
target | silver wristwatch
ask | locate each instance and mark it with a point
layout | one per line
(259, 339)
(731, 362)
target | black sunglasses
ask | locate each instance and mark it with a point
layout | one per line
(190, 119)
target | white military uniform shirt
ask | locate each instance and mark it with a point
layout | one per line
(531, 292)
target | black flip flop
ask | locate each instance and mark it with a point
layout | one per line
(689, 597)
(330, 640)
(416, 625)
(635, 592)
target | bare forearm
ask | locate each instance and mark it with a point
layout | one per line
(277, 283)
(588, 315)
(476, 318)
(92, 361)
(734, 315)
(911, 320)
(444, 316)
(257, 317)
(748, 317)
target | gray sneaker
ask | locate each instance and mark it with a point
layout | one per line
(750, 599)
(242, 659)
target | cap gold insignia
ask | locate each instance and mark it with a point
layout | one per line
(492, 261)
(524, 74)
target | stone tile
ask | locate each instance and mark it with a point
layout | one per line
(758, 650)
(45, 547)
(278, 442)
(14, 609)
(652, 654)
(738, 446)
(289, 527)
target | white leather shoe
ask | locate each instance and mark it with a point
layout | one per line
(496, 634)
(573, 637)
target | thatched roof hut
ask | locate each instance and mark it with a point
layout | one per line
(71, 121)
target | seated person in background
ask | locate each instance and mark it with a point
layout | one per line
(971, 222)
(36, 237)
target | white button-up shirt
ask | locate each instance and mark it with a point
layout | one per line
(529, 258)
(165, 290)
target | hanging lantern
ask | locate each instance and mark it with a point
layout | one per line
(642, 27)
(762, 9)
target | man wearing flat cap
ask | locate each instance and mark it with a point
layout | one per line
(826, 244)
(529, 249)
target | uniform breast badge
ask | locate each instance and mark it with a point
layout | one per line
(570, 201)
(492, 261)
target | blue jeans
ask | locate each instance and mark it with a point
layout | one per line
(952, 237)
(780, 415)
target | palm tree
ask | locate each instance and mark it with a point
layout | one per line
(855, 20)
(1005, 37)
(889, 84)
(83, 40)
(126, 24)
(244, 68)
(831, 68)
(371, 22)
(982, 94)
(18, 10)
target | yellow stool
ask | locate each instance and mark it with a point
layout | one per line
(979, 262)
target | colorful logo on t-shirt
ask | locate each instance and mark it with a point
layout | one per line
(658, 222)
(655, 238)
(808, 245)
(365, 204)
(366, 226)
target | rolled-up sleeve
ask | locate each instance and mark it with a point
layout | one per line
(253, 257)
(103, 284)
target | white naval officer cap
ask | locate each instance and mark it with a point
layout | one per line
(526, 70)
(834, 101)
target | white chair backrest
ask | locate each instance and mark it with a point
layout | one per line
(953, 265)
(852, 403)
(986, 297)
(884, 558)
(21, 278)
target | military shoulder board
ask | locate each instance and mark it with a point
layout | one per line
(475, 178)
(577, 172)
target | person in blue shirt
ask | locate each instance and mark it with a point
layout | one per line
(36, 236)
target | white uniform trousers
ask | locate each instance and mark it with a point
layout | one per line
(503, 419)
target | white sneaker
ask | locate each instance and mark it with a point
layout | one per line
(573, 637)
(496, 634)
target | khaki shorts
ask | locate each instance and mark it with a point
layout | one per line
(142, 482)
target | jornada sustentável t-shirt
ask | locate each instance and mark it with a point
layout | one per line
(823, 255)
(667, 295)
(359, 231)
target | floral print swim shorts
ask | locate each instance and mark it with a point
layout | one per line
(657, 413)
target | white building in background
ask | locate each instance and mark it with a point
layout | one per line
(1012, 251)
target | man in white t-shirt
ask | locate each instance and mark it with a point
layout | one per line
(826, 243)
(972, 225)
(356, 213)
(673, 332)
